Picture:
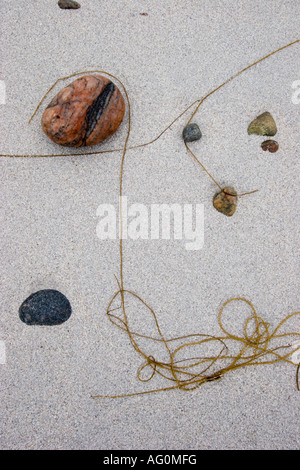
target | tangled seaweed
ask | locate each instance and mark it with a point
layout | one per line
(253, 347)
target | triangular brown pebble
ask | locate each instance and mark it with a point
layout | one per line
(225, 201)
(264, 124)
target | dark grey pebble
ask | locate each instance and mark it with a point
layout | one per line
(191, 132)
(68, 5)
(45, 307)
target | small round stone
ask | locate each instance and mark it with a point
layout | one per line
(45, 307)
(270, 145)
(191, 132)
(68, 4)
(86, 112)
(225, 201)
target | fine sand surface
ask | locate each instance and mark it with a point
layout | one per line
(167, 54)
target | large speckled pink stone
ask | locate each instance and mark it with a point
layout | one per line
(86, 112)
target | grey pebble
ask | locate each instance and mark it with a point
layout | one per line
(191, 132)
(68, 4)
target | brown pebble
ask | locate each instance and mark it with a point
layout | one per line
(225, 201)
(270, 145)
(86, 112)
(68, 4)
(264, 124)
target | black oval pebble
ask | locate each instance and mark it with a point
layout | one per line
(45, 307)
(191, 132)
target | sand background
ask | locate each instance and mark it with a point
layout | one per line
(167, 59)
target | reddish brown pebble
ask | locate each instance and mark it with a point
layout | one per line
(225, 201)
(270, 145)
(86, 112)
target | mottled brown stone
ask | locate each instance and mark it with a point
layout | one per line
(264, 124)
(270, 145)
(86, 112)
(225, 201)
